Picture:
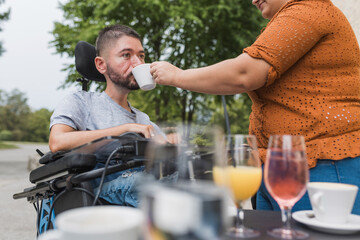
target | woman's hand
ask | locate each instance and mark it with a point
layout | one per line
(165, 73)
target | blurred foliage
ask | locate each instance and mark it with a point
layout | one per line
(6, 135)
(18, 122)
(187, 33)
(4, 16)
(37, 126)
(238, 110)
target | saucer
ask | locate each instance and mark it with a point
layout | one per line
(351, 226)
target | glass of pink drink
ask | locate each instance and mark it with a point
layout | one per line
(286, 174)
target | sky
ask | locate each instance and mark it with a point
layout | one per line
(29, 64)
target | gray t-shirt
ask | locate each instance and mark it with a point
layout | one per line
(92, 111)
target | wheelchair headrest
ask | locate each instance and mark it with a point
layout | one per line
(85, 54)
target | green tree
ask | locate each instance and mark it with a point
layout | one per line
(15, 112)
(3, 17)
(18, 122)
(37, 126)
(186, 33)
(239, 109)
(6, 135)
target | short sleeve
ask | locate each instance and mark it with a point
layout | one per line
(71, 111)
(291, 33)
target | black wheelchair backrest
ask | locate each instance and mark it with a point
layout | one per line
(85, 54)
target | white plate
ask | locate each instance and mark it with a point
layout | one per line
(352, 226)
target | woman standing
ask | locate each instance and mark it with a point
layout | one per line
(303, 77)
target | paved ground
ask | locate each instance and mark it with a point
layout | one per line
(17, 217)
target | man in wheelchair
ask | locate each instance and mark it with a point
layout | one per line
(98, 140)
(85, 116)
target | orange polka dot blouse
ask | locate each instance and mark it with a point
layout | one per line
(313, 85)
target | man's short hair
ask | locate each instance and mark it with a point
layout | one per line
(113, 32)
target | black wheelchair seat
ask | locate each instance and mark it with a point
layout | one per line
(85, 157)
(129, 148)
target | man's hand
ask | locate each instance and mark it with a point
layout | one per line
(173, 138)
(146, 130)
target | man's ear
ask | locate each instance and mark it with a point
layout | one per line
(100, 64)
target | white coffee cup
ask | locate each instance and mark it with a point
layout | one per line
(98, 222)
(143, 77)
(332, 202)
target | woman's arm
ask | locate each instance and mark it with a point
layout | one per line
(237, 75)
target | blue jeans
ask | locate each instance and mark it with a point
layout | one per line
(340, 171)
(121, 188)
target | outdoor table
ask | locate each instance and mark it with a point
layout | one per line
(265, 220)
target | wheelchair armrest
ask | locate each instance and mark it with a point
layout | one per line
(76, 162)
(50, 156)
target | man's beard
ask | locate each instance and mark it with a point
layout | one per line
(122, 81)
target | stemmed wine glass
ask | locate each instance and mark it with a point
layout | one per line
(239, 170)
(286, 174)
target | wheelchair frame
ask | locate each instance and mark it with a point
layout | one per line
(66, 177)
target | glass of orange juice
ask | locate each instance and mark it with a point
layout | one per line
(239, 169)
